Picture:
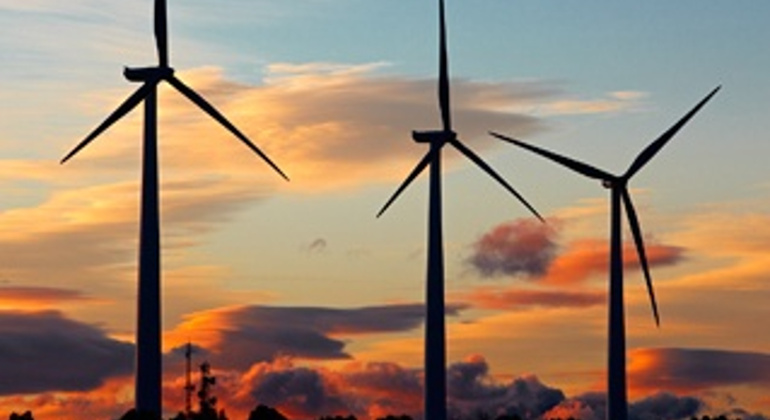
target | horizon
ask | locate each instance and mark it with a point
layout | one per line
(300, 284)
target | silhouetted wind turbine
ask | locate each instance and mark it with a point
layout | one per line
(617, 404)
(148, 339)
(435, 346)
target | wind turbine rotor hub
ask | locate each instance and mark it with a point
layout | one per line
(438, 136)
(144, 74)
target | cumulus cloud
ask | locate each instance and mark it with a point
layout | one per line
(108, 401)
(44, 351)
(589, 406)
(472, 390)
(365, 389)
(683, 369)
(664, 405)
(370, 390)
(241, 336)
(299, 391)
(523, 247)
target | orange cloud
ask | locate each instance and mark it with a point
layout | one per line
(329, 126)
(30, 297)
(238, 337)
(519, 298)
(110, 400)
(585, 258)
(530, 249)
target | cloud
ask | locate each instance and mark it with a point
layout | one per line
(86, 237)
(593, 406)
(381, 388)
(298, 391)
(587, 257)
(519, 298)
(109, 401)
(318, 245)
(327, 125)
(685, 370)
(44, 351)
(523, 247)
(368, 390)
(665, 406)
(365, 389)
(241, 336)
(529, 249)
(31, 296)
(472, 390)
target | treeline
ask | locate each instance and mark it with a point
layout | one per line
(263, 412)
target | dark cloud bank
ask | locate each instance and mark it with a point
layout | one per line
(46, 352)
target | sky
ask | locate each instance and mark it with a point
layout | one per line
(297, 294)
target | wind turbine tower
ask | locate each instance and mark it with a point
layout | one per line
(148, 331)
(617, 400)
(435, 330)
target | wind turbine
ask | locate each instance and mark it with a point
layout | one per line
(148, 339)
(617, 403)
(435, 346)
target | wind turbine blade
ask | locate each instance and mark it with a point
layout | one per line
(130, 103)
(209, 109)
(576, 166)
(415, 172)
(636, 231)
(491, 172)
(161, 32)
(661, 141)
(443, 78)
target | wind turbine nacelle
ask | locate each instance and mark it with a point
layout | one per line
(442, 136)
(143, 74)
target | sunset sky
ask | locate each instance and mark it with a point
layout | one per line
(297, 294)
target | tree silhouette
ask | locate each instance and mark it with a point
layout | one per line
(337, 417)
(392, 417)
(26, 416)
(134, 414)
(263, 412)
(206, 400)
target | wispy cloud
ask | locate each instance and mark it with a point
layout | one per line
(510, 298)
(26, 297)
